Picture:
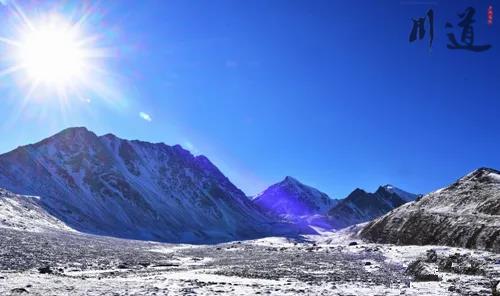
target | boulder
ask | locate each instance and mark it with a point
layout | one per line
(495, 288)
(45, 270)
(19, 291)
(461, 264)
(422, 272)
(431, 256)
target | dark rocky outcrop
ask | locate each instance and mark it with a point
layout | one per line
(422, 272)
(461, 264)
(495, 288)
(465, 214)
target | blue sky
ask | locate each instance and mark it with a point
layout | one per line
(330, 92)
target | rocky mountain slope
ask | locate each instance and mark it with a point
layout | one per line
(465, 214)
(294, 201)
(132, 189)
(25, 213)
(361, 206)
(305, 205)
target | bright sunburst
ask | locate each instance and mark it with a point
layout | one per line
(52, 51)
(53, 54)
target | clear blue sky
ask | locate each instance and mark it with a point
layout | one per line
(330, 92)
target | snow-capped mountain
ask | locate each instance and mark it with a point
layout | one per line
(132, 189)
(465, 214)
(361, 206)
(291, 197)
(401, 193)
(294, 201)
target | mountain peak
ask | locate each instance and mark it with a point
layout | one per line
(78, 130)
(70, 136)
(399, 192)
(289, 179)
(488, 170)
(292, 199)
(482, 175)
(361, 206)
(357, 191)
(388, 186)
(385, 188)
(75, 128)
(110, 136)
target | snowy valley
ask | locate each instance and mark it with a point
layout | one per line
(83, 214)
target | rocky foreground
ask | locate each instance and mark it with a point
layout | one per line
(62, 263)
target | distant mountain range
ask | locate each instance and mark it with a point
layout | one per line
(132, 189)
(361, 206)
(294, 201)
(464, 214)
(78, 181)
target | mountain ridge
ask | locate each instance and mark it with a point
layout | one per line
(134, 189)
(310, 199)
(361, 206)
(296, 202)
(464, 214)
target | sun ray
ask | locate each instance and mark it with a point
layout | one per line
(31, 90)
(20, 14)
(53, 51)
(81, 21)
(10, 42)
(57, 61)
(23, 104)
(11, 70)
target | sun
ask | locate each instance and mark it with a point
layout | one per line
(60, 60)
(53, 54)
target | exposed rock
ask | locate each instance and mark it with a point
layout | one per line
(45, 270)
(292, 198)
(361, 206)
(431, 256)
(422, 272)
(90, 263)
(145, 264)
(465, 214)
(19, 291)
(131, 189)
(495, 288)
(461, 264)
(296, 202)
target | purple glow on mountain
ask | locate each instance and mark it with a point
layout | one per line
(297, 202)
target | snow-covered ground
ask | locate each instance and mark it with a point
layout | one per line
(24, 213)
(329, 264)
